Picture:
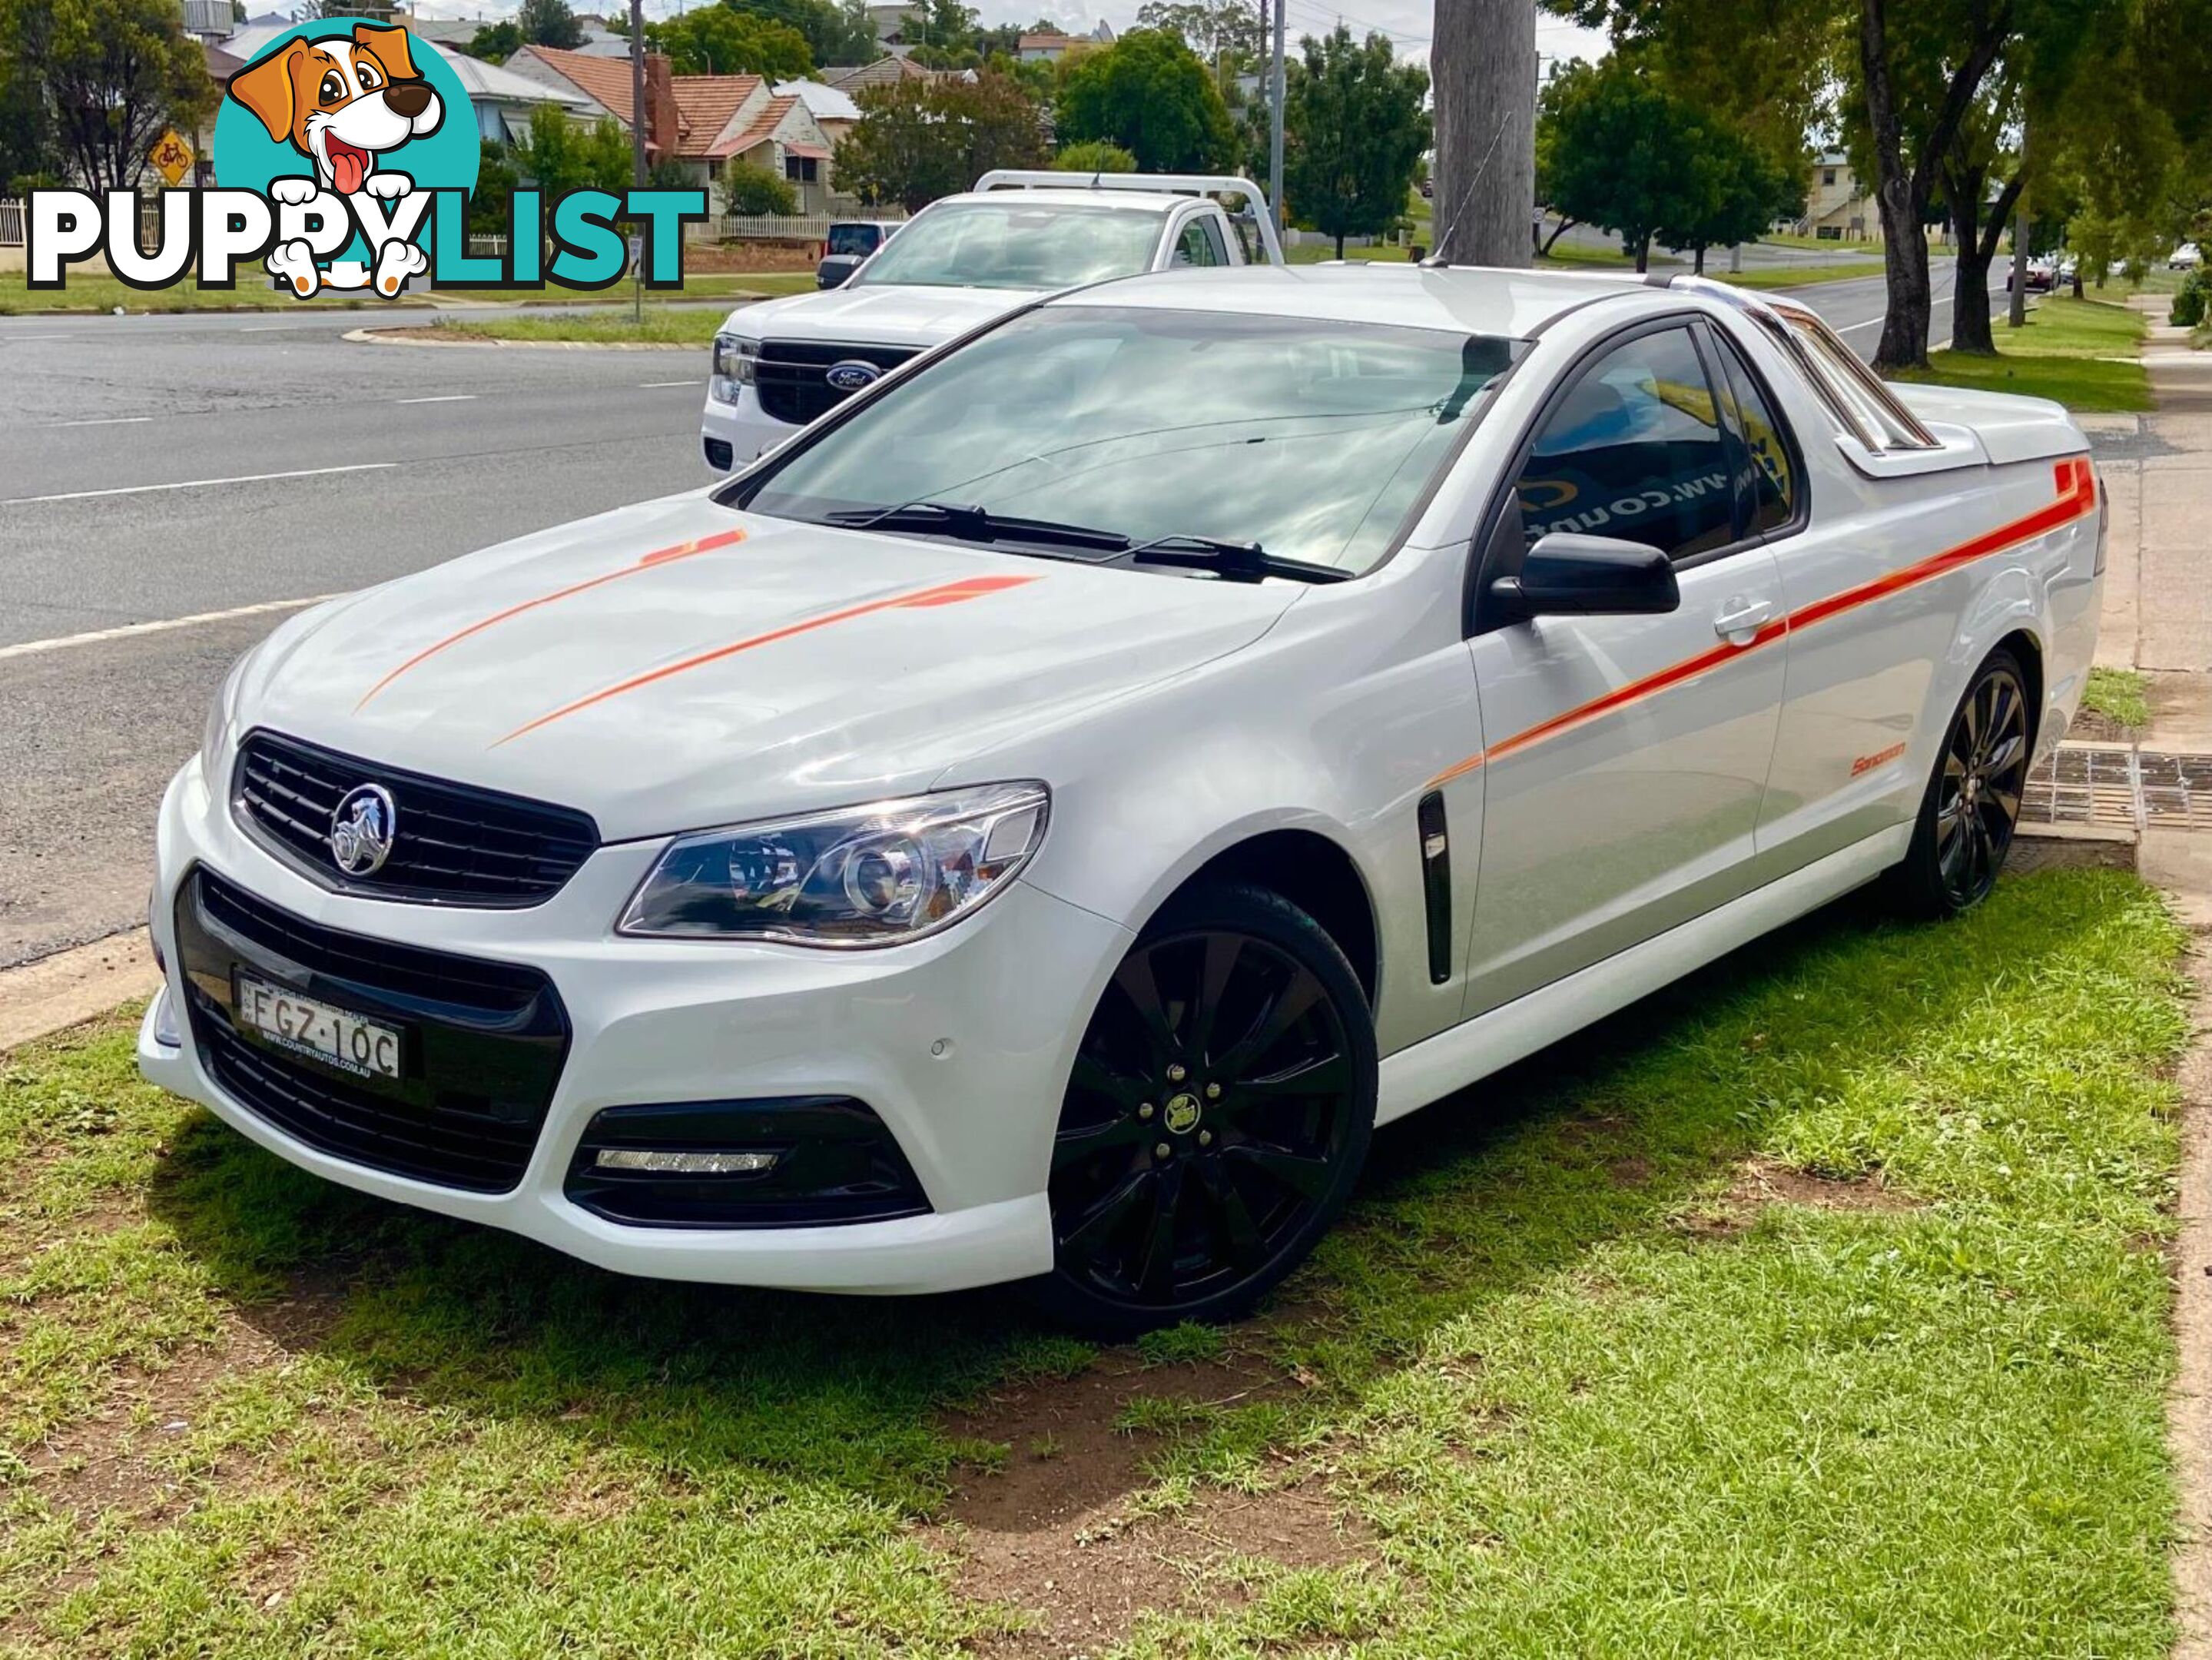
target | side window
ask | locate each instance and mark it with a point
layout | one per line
(1634, 451)
(1191, 246)
(1769, 483)
(1216, 247)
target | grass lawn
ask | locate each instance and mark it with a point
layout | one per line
(1314, 254)
(1823, 244)
(664, 325)
(1817, 1309)
(2121, 696)
(1793, 277)
(2065, 351)
(88, 292)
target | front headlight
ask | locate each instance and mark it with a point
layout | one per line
(215, 731)
(734, 356)
(860, 876)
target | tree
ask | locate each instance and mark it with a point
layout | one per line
(560, 155)
(1484, 59)
(1732, 189)
(1925, 88)
(1617, 150)
(491, 203)
(750, 189)
(721, 40)
(109, 78)
(918, 140)
(1149, 93)
(1224, 33)
(1093, 157)
(495, 43)
(549, 23)
(1354, 131)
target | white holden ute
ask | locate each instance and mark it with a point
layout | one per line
(960, 262)
(1035, 824)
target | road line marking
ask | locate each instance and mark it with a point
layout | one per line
(196, 483)
(127, 631)
(448, 397)
(108, 421)
(20, 338)
(654, 385)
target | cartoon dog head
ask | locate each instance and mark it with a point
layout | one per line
(341, 102)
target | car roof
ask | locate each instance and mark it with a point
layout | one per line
(1464, 299)
(1075, 196)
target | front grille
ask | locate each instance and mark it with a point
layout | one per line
(453, 844)
(482, 1043)
(788, 374)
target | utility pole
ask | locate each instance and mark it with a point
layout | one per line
(637, 110)
(1275, 126)
(2016, 312)
(1485, 67)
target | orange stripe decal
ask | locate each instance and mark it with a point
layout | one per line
(658, 557)
(2076, 481)
(945, 593)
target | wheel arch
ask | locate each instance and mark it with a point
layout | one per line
(1314, 872)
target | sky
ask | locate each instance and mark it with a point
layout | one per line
(1407, 22)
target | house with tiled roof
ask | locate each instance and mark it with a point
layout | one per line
(701, 121)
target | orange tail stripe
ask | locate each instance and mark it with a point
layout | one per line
(945, 593)
(647, 562)
(2076, 481)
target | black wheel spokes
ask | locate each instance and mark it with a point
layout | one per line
(1978, 798)
(1205, 1116)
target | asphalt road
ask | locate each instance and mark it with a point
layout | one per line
(160, 468)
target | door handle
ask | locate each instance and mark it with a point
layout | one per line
(1741, 618)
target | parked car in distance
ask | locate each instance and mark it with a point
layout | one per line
(2042, 275)
(2184, 257)
(957, 264)
(848, 243)
(1036, 823)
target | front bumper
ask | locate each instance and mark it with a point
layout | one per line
(730, 435)
(961, 1044)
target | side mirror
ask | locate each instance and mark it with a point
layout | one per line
(832, 271)
(1564, 574)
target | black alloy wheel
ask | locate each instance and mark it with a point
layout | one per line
(1972, 805)
(1218, 1111)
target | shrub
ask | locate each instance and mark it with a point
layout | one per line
(1095, 157)
(2193, 302)
(750, 189)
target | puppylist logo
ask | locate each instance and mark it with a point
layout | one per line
(345, 155)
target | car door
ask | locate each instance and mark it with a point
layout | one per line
(1626, 756)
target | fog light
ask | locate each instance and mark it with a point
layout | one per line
(165, 1022)
(658, 1162)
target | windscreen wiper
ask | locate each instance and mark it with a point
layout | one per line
(974, 524)
(1233, 562)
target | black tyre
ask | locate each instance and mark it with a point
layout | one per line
(1972, 804)
(1218, 1112)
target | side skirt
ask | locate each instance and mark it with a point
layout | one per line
(1433, 1068)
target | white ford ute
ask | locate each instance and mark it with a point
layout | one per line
(959, 263)
(1035, 824)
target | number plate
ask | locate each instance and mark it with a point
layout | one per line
(368, 1048)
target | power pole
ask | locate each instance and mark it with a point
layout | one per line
(639, 115)
(2016, 312)
(1275, 126)
(1485, 68)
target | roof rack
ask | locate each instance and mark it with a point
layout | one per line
(1172, 184)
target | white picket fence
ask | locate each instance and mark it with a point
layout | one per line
(791, 228)
(11, 224)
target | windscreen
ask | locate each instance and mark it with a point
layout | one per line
(859, 239)
(1313, 438)
(1012, 244)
